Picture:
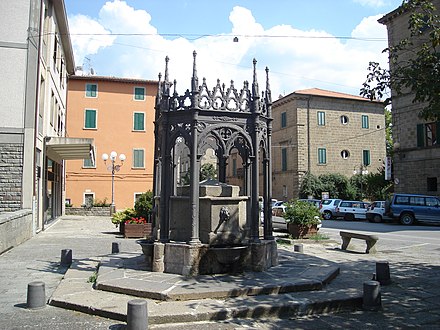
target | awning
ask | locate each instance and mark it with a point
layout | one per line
(59, 148)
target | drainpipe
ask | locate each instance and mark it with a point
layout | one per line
(309, 165)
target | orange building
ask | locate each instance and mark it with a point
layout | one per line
(118, 113)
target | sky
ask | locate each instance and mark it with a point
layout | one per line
(323, 44)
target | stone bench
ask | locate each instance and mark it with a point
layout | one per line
(369, 239)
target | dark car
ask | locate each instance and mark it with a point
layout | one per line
(409, 208)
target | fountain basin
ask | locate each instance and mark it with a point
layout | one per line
(228, 254)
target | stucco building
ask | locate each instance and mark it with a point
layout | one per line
(118, 113)
(36, 59)
(320, 132)
(416, 160)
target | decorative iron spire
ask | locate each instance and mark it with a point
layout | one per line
(255, 91)
(194, 79)
(268, 92)
(166, 82)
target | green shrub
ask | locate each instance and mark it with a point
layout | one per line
(302, 213)
(121, 216)
(144, 205)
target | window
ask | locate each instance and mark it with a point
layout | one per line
(87, 163)
(283, 119)
(234, 167)
(284, 159)
(431, 201)
(344, 120)
(136, 197)
(345, 154)
(88, 199)
(427, 134)
(138, 158)
(90, 118)
(322, 156)
(321, 118)
(139, 121)
(284, 191)
(431, 183)
(366, 157)
(91, 90)
(365, 122)
(139, 93)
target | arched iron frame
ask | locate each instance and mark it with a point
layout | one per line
(221, 119)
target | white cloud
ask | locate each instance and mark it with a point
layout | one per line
(297, 59)
(81, 28)
(371, 3)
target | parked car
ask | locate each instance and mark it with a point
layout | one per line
(278, 221)
(409, 208)
(376, 212)
(351, 210)
(316, 202)
(327, 207)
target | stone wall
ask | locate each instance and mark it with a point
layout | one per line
(92, 211)
(15, 228)
(11, 168)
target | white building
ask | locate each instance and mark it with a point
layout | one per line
(35, 60)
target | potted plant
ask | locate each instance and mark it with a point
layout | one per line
(303, 219)
(119, 218)
(137, 227)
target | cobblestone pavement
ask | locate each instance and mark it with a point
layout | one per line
(410, 301)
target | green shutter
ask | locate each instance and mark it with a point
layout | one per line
(138, 158)
(284, 159)
(91, 90)
(139, 93)
(139, 121)
(366, 157)
(90, 120)
(322, 156)
(283, 119)
(420, 135)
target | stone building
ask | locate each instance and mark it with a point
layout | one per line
(416, 160)
(36, 59)
(118, 114)
(319, 131)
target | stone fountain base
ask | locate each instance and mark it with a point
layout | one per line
(204, 259)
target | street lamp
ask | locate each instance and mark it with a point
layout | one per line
(362, 171)
(113, 168)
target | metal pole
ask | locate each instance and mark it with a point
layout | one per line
(112, 208)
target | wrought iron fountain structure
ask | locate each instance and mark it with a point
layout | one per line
(208, 227)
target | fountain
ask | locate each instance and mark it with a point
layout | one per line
(211, 226)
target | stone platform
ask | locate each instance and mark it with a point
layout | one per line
(297, 286)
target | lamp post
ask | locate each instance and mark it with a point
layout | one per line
(113, 168)
(362, 171)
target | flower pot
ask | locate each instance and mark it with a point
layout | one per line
(302, 231)
(138, 230)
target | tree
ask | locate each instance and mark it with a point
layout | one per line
(208, 171)
(418, 73)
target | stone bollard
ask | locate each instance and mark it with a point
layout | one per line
(383, 272)
(372, 299)
(116, 247)
(137, 315)
(66, 257)
(298, 248)
(36, 295)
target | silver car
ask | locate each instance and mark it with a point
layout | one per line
(327, 207)
(350, 210)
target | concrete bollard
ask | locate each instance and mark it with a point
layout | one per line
(298, 248)
(137, 315)
(371, 298)
(383, 272)
(66, 257)
(116, 247)
(36, 295)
